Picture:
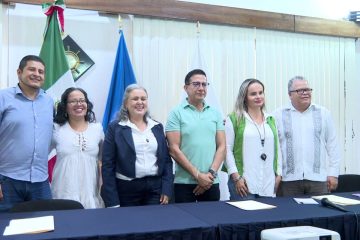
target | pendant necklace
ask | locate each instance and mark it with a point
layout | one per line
(262, 140)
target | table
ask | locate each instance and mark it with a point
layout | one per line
(207, 220)
(233, 223)
(148, 222)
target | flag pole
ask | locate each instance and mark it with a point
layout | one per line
(122, 76)
(255, 66)
(198, 42)
(120, 22)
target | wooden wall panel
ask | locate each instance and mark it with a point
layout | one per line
(326, 27)
(173, 9)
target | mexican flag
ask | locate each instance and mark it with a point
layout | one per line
(58, 75)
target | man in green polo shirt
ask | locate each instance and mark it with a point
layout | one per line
(196, 136)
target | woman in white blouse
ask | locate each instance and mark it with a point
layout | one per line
(137, 168)
(78, 140)
(253, 158)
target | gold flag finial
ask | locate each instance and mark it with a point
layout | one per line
(120, 22)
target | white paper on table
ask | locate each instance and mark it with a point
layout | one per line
(251, 205)
(305, 201)
(356, 194)
(338, 200)
(30, 225)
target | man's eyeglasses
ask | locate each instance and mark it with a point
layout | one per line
(302, 91)
(197, 84)
(78, 101)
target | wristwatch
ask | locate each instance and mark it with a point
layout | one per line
(213, 173)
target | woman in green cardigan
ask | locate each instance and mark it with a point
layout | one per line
(253, 158)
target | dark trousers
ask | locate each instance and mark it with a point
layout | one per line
(140, 191)
(17, 191)
(301, 188)
(184, 193)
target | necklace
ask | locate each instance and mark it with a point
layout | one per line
(262, 140)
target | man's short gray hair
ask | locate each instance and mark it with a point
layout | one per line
(291, 81)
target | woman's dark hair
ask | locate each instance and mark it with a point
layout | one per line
(61, 116)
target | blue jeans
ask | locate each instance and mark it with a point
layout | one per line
(234, 196)
(140, 191)
(17, 191)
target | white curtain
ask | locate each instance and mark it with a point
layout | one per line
(163, 51)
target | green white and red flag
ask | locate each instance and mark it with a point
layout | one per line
(58, 75)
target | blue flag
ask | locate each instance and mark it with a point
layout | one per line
(123, 75)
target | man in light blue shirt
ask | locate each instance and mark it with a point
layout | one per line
(26, 117)
(196, 136)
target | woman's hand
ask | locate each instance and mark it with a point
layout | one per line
(241, 187)
(164, 199)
